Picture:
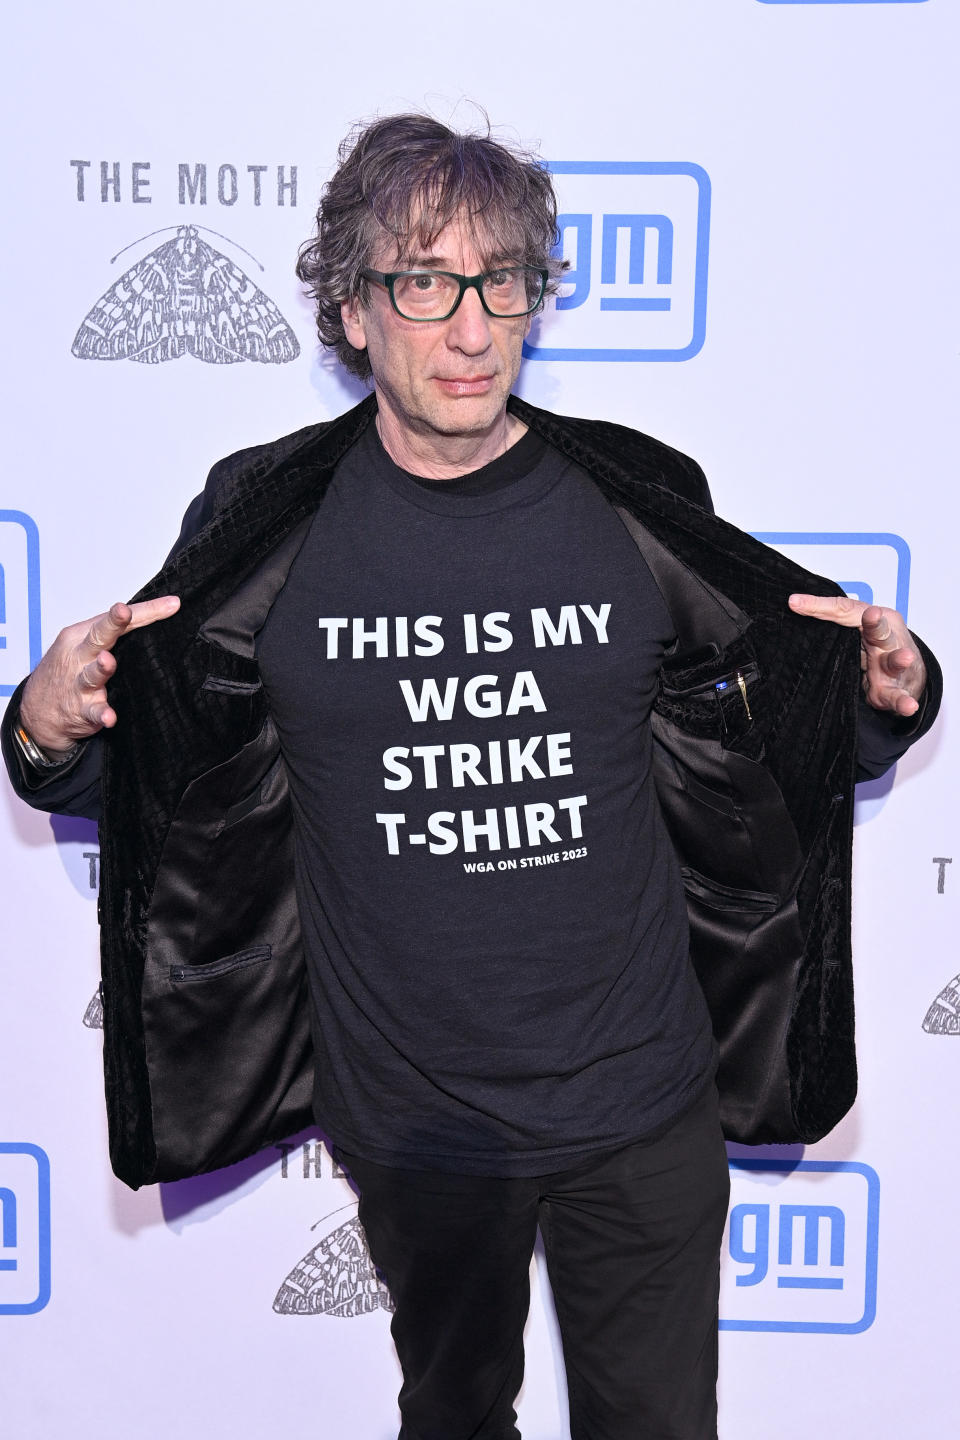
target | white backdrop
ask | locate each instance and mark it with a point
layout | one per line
(791, 160)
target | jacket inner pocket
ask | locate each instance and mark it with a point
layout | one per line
(727, 897)
(254, 955)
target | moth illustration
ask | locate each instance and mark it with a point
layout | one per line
(336, 1277)
(93, 1015)
(183, 298)
(943, 1017)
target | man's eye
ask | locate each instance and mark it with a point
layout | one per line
(424, 283)
(498, 279)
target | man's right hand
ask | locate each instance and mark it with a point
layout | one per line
(65, 699)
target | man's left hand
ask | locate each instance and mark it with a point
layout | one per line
(894, 675)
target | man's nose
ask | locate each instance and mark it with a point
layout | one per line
(468, 328)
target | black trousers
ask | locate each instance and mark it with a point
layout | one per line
(632, 1241)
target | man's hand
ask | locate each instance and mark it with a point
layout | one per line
(65, 699)
(894, 675)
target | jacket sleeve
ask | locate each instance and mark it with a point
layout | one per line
(70, 789)
(74, 788)
(696, 488)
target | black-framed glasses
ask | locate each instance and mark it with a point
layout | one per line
(509, 291)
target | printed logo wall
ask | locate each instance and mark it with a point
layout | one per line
(20, 643)
(801, 1247)
(24, 1229)
(636, 235)
(874, 568)
(181, 260)
(336, 1276)
(184, 296)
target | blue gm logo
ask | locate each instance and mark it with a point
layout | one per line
(20, 646)
(873, 567)
(24, 1229)
(800, 1249)
(636, 235)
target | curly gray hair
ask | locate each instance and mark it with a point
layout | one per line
(410, 176)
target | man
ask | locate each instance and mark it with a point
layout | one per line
(412, 657)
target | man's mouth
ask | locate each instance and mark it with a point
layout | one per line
(465, 384)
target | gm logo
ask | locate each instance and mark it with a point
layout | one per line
(636, 236)
(871, 567)
(800, 1248)
(20, 647)
(24, 1229)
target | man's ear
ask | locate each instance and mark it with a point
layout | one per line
(351, 313)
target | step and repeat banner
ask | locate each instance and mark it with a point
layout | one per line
(757, 209)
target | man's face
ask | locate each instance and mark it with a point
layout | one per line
(439, 378)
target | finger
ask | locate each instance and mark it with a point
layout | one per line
(105, 630)
(884, 630)
(905, 704)
(892, 697)
(841, 609)
(897, 662)
(95, 674)
(892, 674)
(100, 715)
(147, 612)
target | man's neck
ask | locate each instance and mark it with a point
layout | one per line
(446, 457)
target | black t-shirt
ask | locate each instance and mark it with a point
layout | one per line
(462, 673)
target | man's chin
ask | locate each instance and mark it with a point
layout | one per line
(467, 414)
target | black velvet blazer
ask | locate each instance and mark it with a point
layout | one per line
(208, 1052)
